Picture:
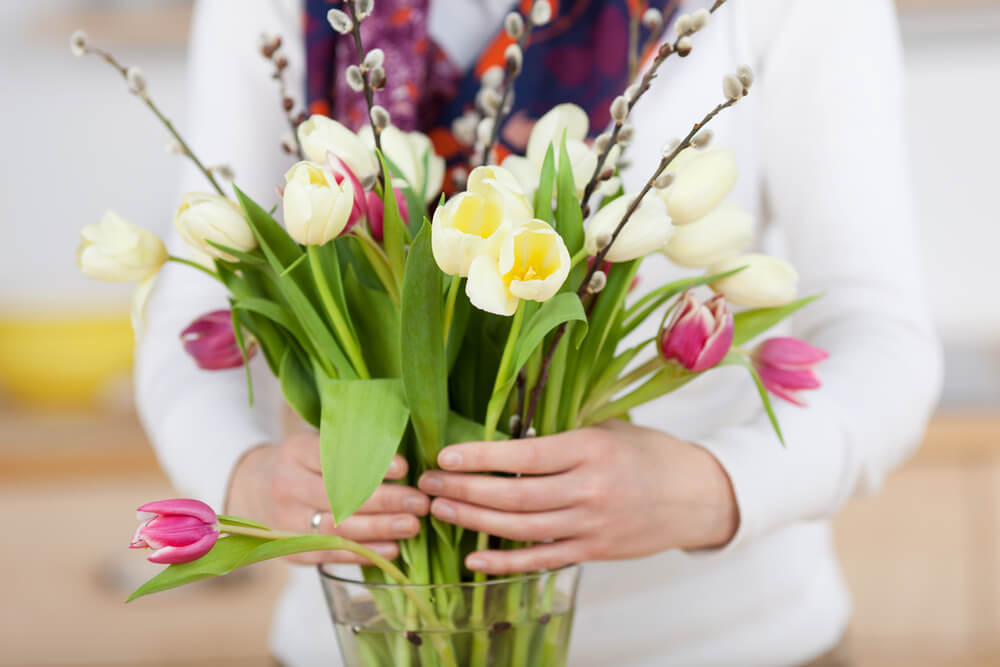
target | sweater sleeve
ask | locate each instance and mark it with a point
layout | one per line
(200, 422)
(836, 180)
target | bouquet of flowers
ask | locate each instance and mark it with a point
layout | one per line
(398, 321)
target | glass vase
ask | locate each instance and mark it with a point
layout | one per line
(519, 621)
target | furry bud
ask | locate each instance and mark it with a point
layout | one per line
(541, 12)
(374, 58)
(745, 75)
(355, 79)
(699, 20)
(484, 131)
(597, 282)
(531, 432)
(670, 147)
(224, 171)
(683, 24)
(702, 139)
(377, 77)
(732, 87)
(619, 109)
(601, 142)
(515, 424)
(664, 180)
(603, 241)
(489, 101)
(136, 80)
(684, 46)
(632, 92)
(513, 23)
(340, 21)
(364, 8)
(493, 77)
(380, 117)
(652, 19)
(78, 43)
(626, 134)
(513, 59)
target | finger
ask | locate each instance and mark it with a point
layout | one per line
(551, 556)
(373, 527)
(529, 527)
(511, 494)
(385, 549)
(531, 456)
(394, 498)
(297, 484)
(304, 448)
(398, 468)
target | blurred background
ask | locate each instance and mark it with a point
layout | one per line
(923, 558)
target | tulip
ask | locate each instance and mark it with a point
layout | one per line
(317, 206)
(211, 342)
(204, 218)
(763, 282)
(702, 179)
(179, 530)
(474, 222)
(647, 230)
(137, 310)
(320, 136)
(532, 263)
(376, 212)
(563, 118)
(699, 335)
(723, 233)
(116, 250)
(785, 367)
(408, 151)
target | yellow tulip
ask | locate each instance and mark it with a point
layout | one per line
(532, 263)
(316, 208)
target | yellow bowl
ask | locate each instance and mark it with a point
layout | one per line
(63, 361)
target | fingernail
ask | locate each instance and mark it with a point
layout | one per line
(443, 511)
(450, 460)
(474, 563)
(394, 468)
(431, 483)
(415, 505)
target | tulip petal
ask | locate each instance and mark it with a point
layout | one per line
(486, 288)
(185, 554)
(549, 129)
(790, 353)
(175, 530)
(182, 506)
(701, 185)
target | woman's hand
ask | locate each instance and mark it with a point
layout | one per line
(612, 492)
(281, 486)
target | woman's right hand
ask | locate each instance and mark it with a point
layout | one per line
(281, 486)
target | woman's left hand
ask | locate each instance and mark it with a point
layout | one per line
(611, 492)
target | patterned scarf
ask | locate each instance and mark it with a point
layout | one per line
(580, 56)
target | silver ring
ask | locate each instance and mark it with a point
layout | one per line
(314, 522)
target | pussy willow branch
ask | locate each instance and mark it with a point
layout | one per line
(633, 43)
(508, 87)
(110, 59)
(647, 80)
(279, 75)
(365, 76)
(536, 391)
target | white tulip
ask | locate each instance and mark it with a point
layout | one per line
(140, 297)
(203, 217)
(516, 206)
(320, 136)
(700, 184)
(407, 150)
(474, 222)
(648, 229)
(724, 232)
(315, 206)
(526, 173)
(116, 250)
(532, 263)
(765, 282)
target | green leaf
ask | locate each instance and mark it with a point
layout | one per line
(272, 340)
(230, 553)
(243, 257)
(240, 521)
(462, 429)
(273, 239)
(751, 323)
(644, 307)
(268, 309)
(569, 216)
(394, 233)
(361, 426)
(240, 343)
(738, 359)
(546, 186)
(299, 387)
(424, 363)
(376, 319)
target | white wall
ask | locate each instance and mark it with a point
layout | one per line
(75, 143)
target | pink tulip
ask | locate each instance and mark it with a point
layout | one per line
(212, 344)
(361, 198)
(180, 530)
(376, 212)
(699, 335)
(785, 366)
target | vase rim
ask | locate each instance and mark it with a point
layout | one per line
(322, 569)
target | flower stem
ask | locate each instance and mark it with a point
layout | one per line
(195, 265)
(508, 88)
(340, 325)
(449, 306)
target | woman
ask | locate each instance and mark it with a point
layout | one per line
(727, 534)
